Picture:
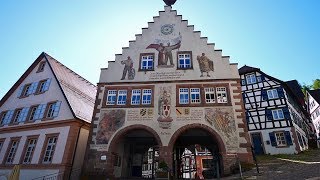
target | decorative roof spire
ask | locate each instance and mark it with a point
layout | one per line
(169, 2)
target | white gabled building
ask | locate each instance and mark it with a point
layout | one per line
(313, 102)
(44, 121)
(277, 119)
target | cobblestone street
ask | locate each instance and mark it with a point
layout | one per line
(302, 166)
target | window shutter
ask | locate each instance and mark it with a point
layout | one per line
(24, 114)
(34, 88)
(288, 137)
(46, 86)
(264, 95)
(8, 117)
(273, 139)
(286, 113)
(243, 82)
(280, 92)
(269, 114)
(42, 108)
(20, 91)
(56, 108)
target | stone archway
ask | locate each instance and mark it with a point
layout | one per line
(122, 134)
(213, 138)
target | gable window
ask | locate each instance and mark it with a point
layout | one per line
(17, 115)
(209, 94)
(53, 109)
(272, 94)
(32, 113)
(281, 139)
(41, 66)
(195, 95)
(146, 96)
(221, 95)
(136, 96)
(122, 97)
(146, 61)
(6, 117)
(251, 78)
(183, 96)
(26, 90)
(29, 149)
(12, 151)
(50, 148)
(111, 98)
(184, 60)
(43, 86)
(277, 114)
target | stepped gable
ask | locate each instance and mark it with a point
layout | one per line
(79, 92)
(151, 35)
(315, 94)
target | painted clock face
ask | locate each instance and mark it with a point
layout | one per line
(167, 29)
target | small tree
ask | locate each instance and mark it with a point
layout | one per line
(163, 166)
(316, 84)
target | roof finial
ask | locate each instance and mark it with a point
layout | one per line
(169, 2)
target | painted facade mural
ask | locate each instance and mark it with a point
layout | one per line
(112, 120)
(165, 47)
(128, 68)
(164, 108)
(205, 64)
(222, 119)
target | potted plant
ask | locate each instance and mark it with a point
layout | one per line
(162, 171)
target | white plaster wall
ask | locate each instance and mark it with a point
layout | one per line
(53, 94)
(59, 150)
(272, 149)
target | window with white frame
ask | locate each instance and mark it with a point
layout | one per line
(146, 96)
(183, 96)
(281, 139)
(277, 114)
(147, 62)
(29, 151)
(251, 78)
(210, 95)
(122, 97)
(184, 60)
(50, 148)
(272, 94)
(111, 97)
(136, 96)
(12, 151)
(221, 95)
(195, 95)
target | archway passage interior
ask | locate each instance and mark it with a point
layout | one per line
(196, 155)
(135, 154)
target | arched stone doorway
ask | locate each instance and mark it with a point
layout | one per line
(132, 149)
(196, 151)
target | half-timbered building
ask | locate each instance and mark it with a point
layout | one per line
(44, 122)
(276, 116)
(169, 90)
(313, 101)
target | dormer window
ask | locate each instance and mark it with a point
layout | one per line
(41, 66)
(251, 78)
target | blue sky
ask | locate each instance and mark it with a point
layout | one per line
(280, 37)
